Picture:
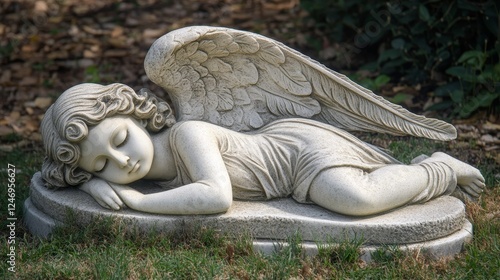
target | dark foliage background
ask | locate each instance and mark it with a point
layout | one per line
(452, 47)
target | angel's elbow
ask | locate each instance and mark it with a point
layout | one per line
(224, 206)
(225, 201)
(219, 206)
(218, 199)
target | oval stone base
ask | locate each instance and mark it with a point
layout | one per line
(438, 227)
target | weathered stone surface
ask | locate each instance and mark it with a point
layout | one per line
(437, 248)
(438, 226)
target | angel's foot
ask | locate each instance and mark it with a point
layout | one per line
(469, 179)
(463, 195)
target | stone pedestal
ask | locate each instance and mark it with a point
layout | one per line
(438, 228)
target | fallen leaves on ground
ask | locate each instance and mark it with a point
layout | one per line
(48, 46)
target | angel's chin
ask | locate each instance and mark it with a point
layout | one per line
(129, 178)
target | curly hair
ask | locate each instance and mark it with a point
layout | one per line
(66, 123)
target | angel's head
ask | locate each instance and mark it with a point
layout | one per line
(67, 123)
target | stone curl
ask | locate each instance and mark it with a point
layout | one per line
(68, 120)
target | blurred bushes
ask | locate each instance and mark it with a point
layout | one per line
(452, 45)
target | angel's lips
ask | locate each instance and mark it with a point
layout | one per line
(135, 167)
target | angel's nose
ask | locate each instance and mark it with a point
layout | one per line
(120, 158)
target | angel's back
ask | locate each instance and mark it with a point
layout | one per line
(282, 158)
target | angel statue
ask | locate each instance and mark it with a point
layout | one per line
(254, 120)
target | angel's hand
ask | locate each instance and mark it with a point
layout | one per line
(102, 192)
(130, 196)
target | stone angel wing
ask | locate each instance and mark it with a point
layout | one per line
(242, 81)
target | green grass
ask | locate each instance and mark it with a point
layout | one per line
(106, 250)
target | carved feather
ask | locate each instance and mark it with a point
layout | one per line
(244, 81)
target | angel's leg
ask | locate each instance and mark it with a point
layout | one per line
(469, 179)
(352, 191)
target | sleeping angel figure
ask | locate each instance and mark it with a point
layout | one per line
(253, 120)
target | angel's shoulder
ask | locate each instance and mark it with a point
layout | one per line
(193, 125)
(190, 130)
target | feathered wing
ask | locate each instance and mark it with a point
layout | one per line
(243, 81)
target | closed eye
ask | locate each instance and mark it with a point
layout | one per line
(103, 166)
(124, 141)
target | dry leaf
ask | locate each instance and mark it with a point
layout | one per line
(61, 54)
(129, 21)
(489, 139)
(73, 30)
(41, 7)
(56, 19)
(94, 31)
(120, 42)
(285, 5)
(29, 104)
(17, 129)
(115, 53)
(117, 32)
(29, 48)
(6, 76)
(31, 125)
(43, 102)
(35, 136)
(28, 81)
(5, 130)
(491, 127)
(29, 110)
(149, 33)
(14, 116)
(90, 54)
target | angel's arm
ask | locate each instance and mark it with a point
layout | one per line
(102, 192)
(210, 191)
